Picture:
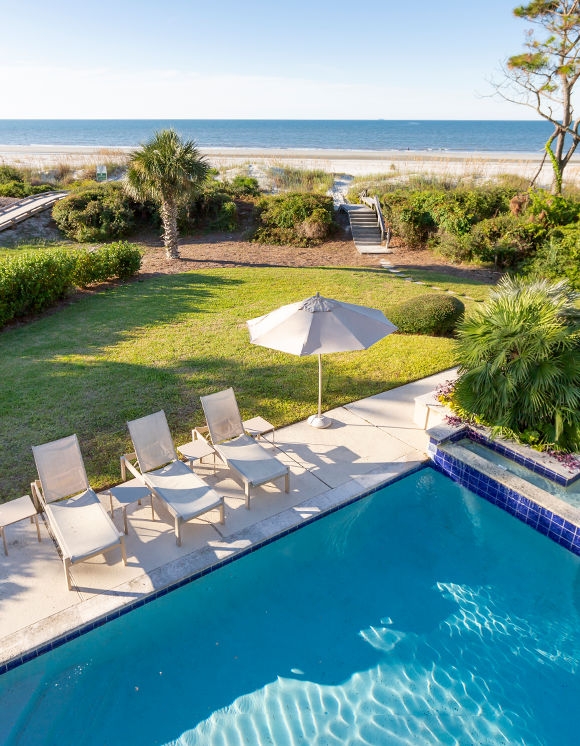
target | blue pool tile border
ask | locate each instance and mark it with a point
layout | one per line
(542, 519)
(126, 609)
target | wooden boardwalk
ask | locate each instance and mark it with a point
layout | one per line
(27, 207)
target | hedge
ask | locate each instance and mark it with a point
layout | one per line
(34, 281)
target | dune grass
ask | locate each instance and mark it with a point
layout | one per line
(161, 343)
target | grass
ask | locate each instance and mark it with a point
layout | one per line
(287, 179)
(459, 286)
(161, 343)
(9, 252)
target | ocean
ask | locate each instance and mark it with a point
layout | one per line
(412, 135)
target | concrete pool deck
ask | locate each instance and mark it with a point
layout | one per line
(370, 442)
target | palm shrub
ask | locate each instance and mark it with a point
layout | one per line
(519, 359)
(167, 170)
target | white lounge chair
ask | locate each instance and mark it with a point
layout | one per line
(249, 461)
(80, 524)
(185, 494)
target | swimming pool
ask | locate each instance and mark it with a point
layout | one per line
(421, 615)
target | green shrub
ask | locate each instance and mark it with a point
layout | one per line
(519, 355)
(15, 182)
(554, 209)
(405, 212)
(505, 240)
(559, 258)
(213, 209)
(298, 219)
(21, 189)
(432, 314)
(10, 174)
(95, 214)
(35, 280)
(417, 215)
(120, 259)
(244, 186)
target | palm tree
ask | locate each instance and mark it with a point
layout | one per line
(520, 362)
(167, 170)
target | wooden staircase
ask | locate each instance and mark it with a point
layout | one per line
(368, 229)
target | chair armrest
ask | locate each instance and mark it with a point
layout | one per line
(125, 460)
(37, 498)
(200, 433)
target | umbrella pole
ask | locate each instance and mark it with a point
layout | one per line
(319, 385)
(319, 420)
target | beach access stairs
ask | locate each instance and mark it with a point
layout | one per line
(369, 231)
(27, 207)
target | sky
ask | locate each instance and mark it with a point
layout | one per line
(282, 59)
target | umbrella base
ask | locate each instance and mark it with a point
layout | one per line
(319, 421)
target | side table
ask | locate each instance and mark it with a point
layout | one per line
(14, 511)
(258, 426)
(126, 494)
(197, 449)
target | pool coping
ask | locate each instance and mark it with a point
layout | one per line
(57, 629)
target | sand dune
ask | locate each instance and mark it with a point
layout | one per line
(353, 162)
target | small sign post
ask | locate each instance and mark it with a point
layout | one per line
(101, 173)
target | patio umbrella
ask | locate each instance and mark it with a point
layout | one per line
(317, 326)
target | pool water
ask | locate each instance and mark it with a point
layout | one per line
(419, 615)
(570, 494)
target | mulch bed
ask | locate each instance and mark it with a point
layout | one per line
(207, 251)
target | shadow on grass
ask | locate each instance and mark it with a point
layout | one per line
(118, 311)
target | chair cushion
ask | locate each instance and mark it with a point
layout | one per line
(82, 526)
(253, 462)
(186, 494)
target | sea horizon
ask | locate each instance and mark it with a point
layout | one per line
(415, 135)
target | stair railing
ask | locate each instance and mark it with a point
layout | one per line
(374, 204)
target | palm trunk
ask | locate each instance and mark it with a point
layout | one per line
(170, 233)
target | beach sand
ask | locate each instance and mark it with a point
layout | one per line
(483, 165)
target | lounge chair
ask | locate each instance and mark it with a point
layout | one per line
(185, 494)
(252, 464)
(81, 526)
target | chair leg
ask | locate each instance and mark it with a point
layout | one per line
(222, 512)
(287, 482)
(177, 531)
(37, 527)
(152, 509)
(247, 492)
(123, 550)
(125, 526)
(66, 563)
(4, 540)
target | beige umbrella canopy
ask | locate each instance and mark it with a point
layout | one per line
(317, 326)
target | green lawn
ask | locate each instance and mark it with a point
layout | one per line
(161, 343)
